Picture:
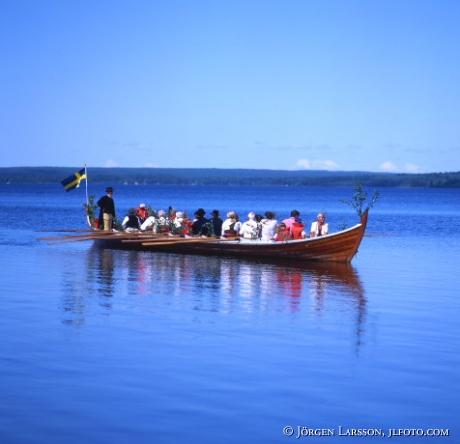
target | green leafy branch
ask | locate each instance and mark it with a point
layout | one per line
(90, 208)
(359, 199)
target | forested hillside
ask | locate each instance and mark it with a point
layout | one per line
(211, 176)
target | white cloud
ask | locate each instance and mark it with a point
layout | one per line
(388, 166)
(152, 165)
(304, 163)
(111, 163)
(317, 164)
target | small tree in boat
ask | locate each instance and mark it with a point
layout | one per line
(359, 199)
(90, 208)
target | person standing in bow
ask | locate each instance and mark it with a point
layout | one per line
(107, 209)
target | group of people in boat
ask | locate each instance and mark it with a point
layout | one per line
(264, 227)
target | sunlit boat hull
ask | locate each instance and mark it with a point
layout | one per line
(336, 247)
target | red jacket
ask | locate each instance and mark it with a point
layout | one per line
(296, 229)
(283, 235)
(143, 213)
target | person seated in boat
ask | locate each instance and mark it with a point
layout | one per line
(320, 227)
(178, 225)
(238, 223)
(187, 225)
(199, 223)
(288, 222)
(161, 216)
(217, 223)
(149, 224)
(179, 218)
(298, 229)
(153, 223)
(269, 225)
(232, 225)
(163, 222)
(251, 228)
(142, 213)
(131, 221)
(282, 233)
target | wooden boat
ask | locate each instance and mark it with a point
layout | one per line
(335, 247)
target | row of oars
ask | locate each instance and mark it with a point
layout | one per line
(94, 235)
(146, 239)
(176, 240)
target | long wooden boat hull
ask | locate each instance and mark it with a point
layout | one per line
(336, 247)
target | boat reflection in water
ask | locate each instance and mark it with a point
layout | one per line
(220, 284)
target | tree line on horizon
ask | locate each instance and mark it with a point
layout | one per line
(215, 176)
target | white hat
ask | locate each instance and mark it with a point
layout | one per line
(142, 205)
(179, 214)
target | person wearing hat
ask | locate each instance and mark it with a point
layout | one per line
(107, 209)
(142, 213)
(217, 223)
(199, 222)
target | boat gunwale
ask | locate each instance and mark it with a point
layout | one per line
(340, 246)
(120, 236)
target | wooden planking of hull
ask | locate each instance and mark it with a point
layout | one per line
(336, 247)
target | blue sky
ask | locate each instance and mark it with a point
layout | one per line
(288, 84)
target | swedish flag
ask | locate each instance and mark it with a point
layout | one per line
(74, 180)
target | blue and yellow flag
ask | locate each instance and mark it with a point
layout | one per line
(74, 180)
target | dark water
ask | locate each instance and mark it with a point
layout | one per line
(104, 346)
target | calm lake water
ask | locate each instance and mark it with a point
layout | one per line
(104, 346)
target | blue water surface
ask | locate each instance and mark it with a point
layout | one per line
(109, 346)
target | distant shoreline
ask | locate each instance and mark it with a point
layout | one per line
(216, 176)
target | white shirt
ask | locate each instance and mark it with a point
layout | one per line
(324, 229)
(250, 229)
(269, 227)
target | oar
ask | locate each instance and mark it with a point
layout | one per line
(90, 233)
(159, 238)
(63, 231)
(187, 241)
(75, 239)
(70, 240)
(142, 239)
(64, 237)
(67, 239)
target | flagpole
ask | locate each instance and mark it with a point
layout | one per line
(87, 198)
(86, 174)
